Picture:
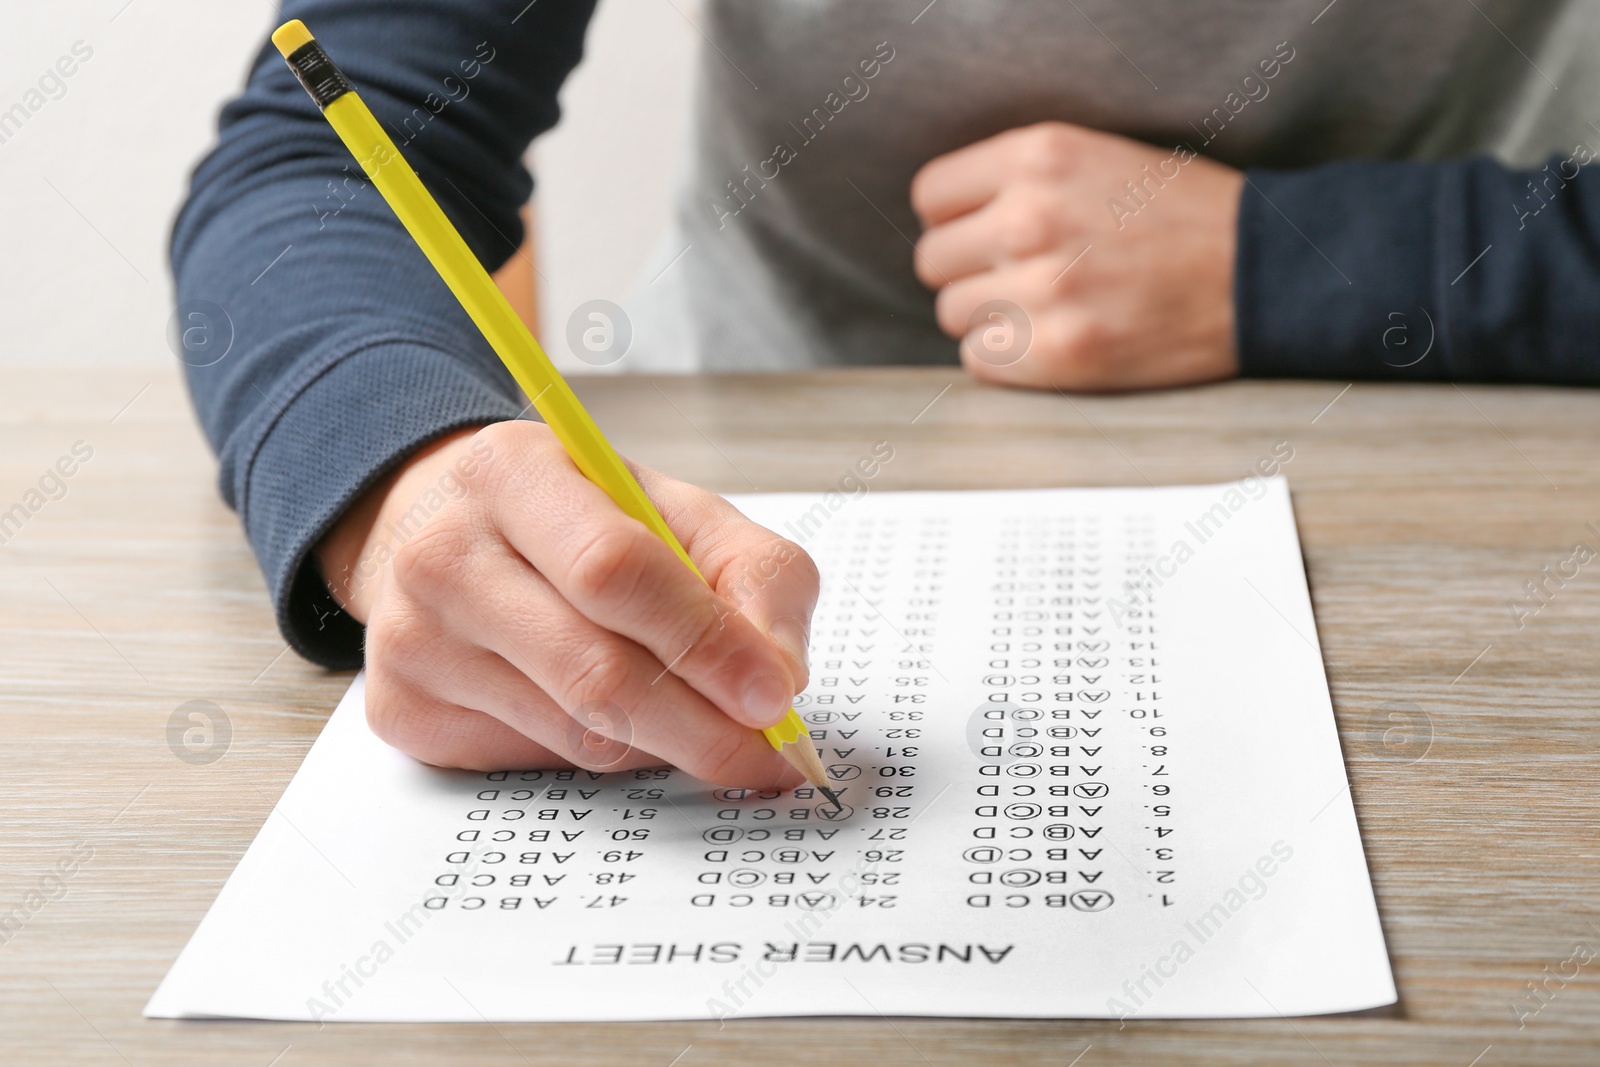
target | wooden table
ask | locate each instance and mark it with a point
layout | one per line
(1471, 742)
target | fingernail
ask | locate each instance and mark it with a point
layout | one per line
(791, 636)
(766, 700)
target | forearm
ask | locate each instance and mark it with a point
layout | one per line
(1454, 271)
(346, 351)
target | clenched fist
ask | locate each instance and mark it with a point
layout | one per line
(1071, 258)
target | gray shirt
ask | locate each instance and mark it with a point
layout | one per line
(811, 117)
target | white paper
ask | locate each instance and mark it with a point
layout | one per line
(1087, 741)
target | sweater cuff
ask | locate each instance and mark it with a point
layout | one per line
(341, 433)
(1333, 270)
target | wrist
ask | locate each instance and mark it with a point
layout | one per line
(354, 554)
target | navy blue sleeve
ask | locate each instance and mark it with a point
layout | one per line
(320, 346)
(1453, 271)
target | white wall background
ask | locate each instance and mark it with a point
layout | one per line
(606, 174)
(89, 185)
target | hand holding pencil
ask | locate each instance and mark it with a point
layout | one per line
(556, 590)
(530, 623)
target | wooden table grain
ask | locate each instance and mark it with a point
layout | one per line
(1471, 733)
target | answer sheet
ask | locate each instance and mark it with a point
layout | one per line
(1089, 766)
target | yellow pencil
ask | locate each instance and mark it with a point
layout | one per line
(507, 334)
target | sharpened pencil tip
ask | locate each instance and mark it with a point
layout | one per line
(831, 795)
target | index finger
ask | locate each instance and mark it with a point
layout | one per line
(951, 185)
(968, 178)
(768, 578)
(618, 574)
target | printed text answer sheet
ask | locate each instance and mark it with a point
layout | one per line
(1089, 766)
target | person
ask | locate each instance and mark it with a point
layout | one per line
(1129, 194)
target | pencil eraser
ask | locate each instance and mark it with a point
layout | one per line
(291, 36)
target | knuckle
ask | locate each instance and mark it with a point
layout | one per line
(1045, 148)
(1021, 222)
(397, 638)
(433, 554)
(805, 579)
(496, 447)
(501, 438)
(597, 675)
(713, 649)
(763, 564)
(803, 566)
(609, 566)
(504, 452)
